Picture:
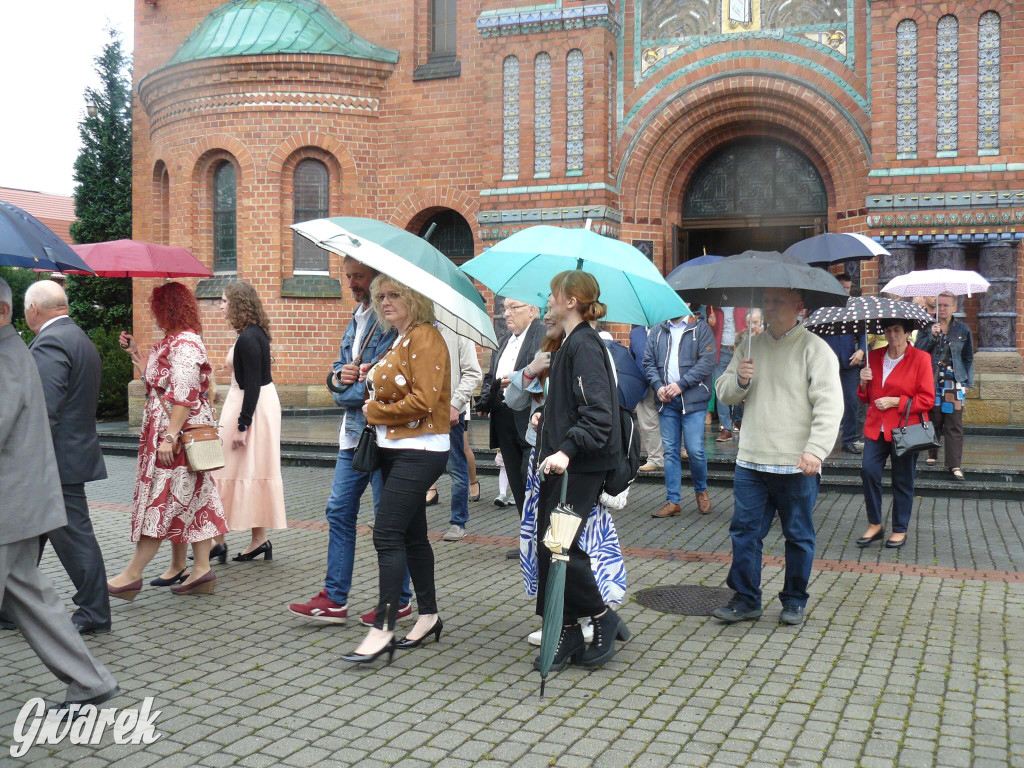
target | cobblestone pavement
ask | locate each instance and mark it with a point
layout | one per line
(912, 657)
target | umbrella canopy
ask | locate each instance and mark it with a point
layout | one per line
(739, 281)
(412, 261)
(932, 282)
(833, 247)
(135, 258)
(521, 267)
(565, 522)
(700, 261)
(632, 384)
(27, 242)
(864, 314)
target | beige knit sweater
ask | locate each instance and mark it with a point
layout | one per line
(794, 402)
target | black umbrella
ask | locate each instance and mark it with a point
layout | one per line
(27, 242)
(833, 247)
(738, 281)
(865, 314)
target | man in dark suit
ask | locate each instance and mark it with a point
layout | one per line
(508, 426)
(71, 372)
(30, 506)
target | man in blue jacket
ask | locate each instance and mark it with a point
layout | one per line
(851, 350)
(678, 362)
(365, 340)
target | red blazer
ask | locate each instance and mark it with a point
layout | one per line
(911, 378)
(739, 316)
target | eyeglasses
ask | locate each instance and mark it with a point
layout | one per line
(509, 310)
(391, 296)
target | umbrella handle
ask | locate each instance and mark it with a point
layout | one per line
(565, 485)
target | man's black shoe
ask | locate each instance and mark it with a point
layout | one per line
(792, 614)
(512, 554)
(95, 701)
(5, 624)
(735, 611)
(851, 448)
(91, 629)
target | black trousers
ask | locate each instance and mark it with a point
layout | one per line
(582, 597)
(950, 427)
(514, 450)
(903, 469)
(400, 530)
(79, 552)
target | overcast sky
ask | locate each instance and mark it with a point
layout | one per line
(47, 49)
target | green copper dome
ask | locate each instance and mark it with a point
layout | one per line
(255, 27)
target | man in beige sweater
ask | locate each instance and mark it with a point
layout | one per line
(792, 407)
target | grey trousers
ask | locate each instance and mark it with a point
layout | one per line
(650, 428)
(79, 553)
(28, 599)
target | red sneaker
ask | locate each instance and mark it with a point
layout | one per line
(321, 608)
(404, 612)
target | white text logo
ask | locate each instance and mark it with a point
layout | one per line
(82, 725)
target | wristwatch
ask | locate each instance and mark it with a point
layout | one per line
(242, 429)
(169, 438)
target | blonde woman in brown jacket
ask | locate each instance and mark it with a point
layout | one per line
(408, 397)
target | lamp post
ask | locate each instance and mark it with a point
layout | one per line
(91, 108)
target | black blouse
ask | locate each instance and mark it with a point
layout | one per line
(252, 369)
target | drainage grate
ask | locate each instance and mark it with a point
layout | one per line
(684, 599)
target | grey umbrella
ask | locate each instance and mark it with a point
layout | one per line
(835, 247)
(27, 242)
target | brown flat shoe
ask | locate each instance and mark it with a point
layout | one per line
(703, 502)
(669, 510)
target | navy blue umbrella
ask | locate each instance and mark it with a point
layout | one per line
(633, 385)
(27, 242)
(700, 261)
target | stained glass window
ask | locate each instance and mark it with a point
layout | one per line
(510, 130)
(946, 83)
(611, 115)
(310, 200)
(988, 81)
(668, 19)
(542, 113)
(906, 88)
(755, 177)
(574, 110)
(225, 253)
(780, 14)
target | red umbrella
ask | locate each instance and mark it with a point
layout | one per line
(134, 258)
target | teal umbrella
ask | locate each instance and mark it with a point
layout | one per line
(412, 261)
(565, 522)
(521, 267)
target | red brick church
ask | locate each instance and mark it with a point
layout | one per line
(682, 126)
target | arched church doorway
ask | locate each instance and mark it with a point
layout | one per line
(754, 193)
(450, 233)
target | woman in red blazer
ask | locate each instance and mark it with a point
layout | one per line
(894, 375)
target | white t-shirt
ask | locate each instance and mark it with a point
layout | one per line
(728, 327)
(507, 361)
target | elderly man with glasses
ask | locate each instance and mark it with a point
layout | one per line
(508, 426)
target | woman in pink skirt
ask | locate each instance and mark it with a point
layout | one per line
(250, 425)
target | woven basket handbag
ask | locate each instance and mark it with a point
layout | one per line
(202, 446)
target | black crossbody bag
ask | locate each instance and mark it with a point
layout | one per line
(908, 438)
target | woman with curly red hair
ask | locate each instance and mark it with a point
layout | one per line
(172, 502)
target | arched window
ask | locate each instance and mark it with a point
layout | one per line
(611, 114)
(510, 109)
(310, 200)
(988, 83)
(574, 112)
(946, 84)
(161, 204)
(225, 234)
(906, 89)
(452, 236)
(542, 114)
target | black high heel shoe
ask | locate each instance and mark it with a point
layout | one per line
(266, 549)
(435, 499)
(160, 581)
(406, 644)
(218, 551)
(366, 658)
(475, 497)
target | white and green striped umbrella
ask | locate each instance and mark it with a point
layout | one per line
(411, 261)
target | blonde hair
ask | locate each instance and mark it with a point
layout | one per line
(582, 286)
(421, 309)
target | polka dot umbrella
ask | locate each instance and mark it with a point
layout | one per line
(865, 314)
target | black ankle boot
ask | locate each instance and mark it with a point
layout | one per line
(569, 649)
(607, 629)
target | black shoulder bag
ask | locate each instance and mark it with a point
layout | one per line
(908, 438)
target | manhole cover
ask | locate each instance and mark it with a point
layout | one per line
(684, 599)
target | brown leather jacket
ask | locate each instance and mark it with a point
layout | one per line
(412, 385)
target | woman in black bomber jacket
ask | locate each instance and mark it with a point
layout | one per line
(578, 432)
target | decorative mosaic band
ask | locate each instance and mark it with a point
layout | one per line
(988, 199)
(947, 219)
(496, 225)
(533, 20)
(340, 102)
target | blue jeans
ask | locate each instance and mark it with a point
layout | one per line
(674, 423)
(903, 469)
(458, 470)
(342, 511)
(724, 411)
(758, 496)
